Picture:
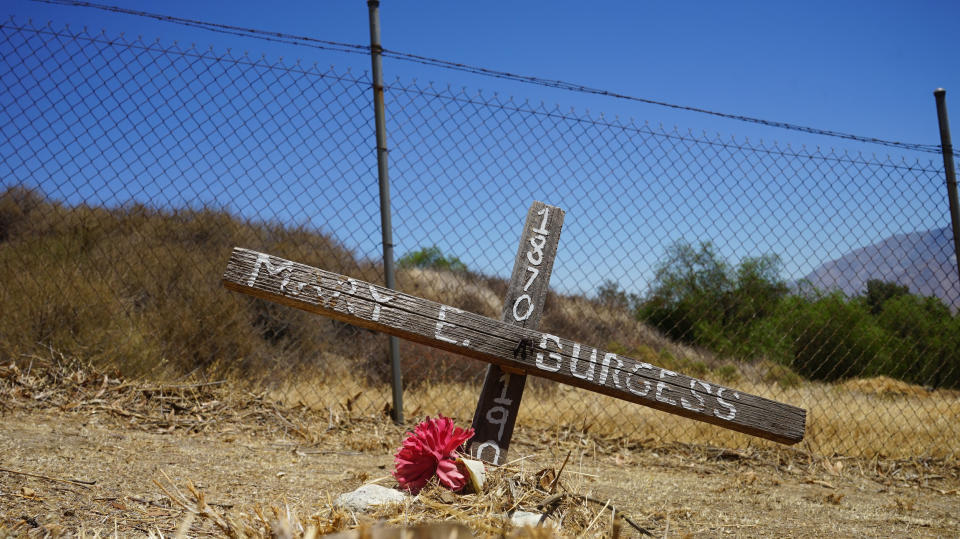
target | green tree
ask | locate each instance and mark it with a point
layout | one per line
(879, 292)
(832, 338)
(700, 298)
(431, 258)
(923, 340)
(886, 332)
(757, 291)
(688, 287)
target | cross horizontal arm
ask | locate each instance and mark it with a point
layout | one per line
(420, 320)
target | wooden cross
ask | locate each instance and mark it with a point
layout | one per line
(513, 344)
(502, 390)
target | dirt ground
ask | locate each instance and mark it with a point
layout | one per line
(101, 457)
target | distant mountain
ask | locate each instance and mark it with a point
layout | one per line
(922, 261)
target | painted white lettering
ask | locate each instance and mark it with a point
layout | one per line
(516, 305)
(264, 260)
(545, 212)
(538, 243)
(591, 363)
(534, 272)
(535, 257)
(298, 287)
(661, 386)
(552, 355)
(492, 445)
(500, 419)
(701, 404)
(378, 301)
(332, 303)
(336, 294)
(731, 409)
(605, 369)
(441, 322)
(502, 399)
(646, 383)
(352, 290)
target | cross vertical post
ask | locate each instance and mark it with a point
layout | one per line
(499, 402)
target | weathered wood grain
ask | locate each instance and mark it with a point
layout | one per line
(472, 335)
(500, 397)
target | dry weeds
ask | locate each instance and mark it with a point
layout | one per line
(859, 418)
(89, 454)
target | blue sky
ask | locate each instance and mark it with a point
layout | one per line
(861, 67)
(867, 68)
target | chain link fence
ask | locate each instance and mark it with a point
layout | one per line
(129, 169)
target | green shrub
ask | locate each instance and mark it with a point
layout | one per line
(431, 258)
(910, 338)
(832, 338)
(745, 311)
(699, 298)
(924, 340)
(879, 292)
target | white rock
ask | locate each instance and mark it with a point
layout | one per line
(368, 497)
(526, 518)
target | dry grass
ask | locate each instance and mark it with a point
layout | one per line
(136, 291)
(841, 419)
(434, 513)
(201, 459)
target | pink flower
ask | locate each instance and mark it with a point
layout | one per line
(431, 449)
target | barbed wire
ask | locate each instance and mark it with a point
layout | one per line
(192, 52)
(280, 37)
(351, 48)
(448, 94)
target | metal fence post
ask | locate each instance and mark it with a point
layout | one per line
(951, 175)
(384, 181)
